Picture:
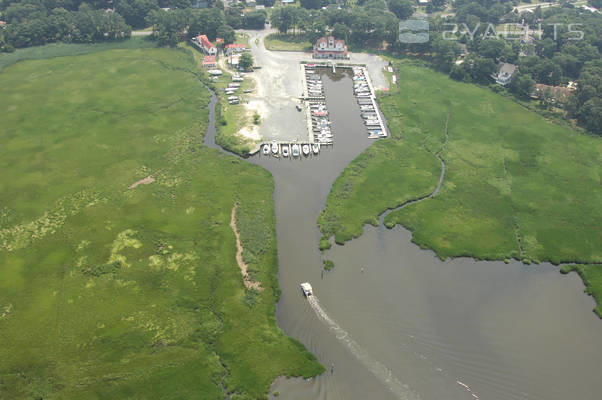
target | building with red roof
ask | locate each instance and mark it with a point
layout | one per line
(203, 42)
(235, 48)
(209, 62)
(330, 48)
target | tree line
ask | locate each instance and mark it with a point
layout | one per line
(38, 22)
(33, 24)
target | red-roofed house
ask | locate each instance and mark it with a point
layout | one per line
(330, 48)
(235, 48)
(209, 62)
(206, 45)
(219, 41)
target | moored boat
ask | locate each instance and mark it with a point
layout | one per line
(274, 147)
(316, 148)
(305, 149)
(285, 150)
(295, 150)
(266, 149)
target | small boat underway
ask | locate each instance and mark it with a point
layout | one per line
(274, 147)
(285, 150)
(307, 290)
(266, 149)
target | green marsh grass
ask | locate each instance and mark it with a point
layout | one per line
(515, 184)
(110, 292)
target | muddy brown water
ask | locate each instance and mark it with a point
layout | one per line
(392, 321)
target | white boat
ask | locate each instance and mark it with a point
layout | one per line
(305, 149)
(316, 148)
(295, 150)
(307, 289)
(266, 149)
(274, 147)
(285, 150)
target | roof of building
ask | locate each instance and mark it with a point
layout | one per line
(209, 60)
(204, 41)
(507, 68)
(330, 38)
(236, 46)
(219, 40)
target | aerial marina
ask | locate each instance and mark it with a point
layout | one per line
(319, 127)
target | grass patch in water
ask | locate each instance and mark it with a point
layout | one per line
(110, 292)
(328, 265)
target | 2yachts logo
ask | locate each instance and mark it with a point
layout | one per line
(408, 29)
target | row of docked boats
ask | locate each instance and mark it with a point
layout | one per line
(320, 123)
(368, 108)
(313, 81)
(290, 149)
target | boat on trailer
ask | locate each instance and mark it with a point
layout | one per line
(307, 289)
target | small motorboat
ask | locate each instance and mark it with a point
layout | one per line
(307, 289)
(274, 147)
(295, 150)
(305, 149)
(285, 150)
(298, 107)
(266, 149)
(315, 148)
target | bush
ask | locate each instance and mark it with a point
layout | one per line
(328, 265)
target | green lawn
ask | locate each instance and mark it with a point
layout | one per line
(110, 292)
(512, 177)
(287, 42)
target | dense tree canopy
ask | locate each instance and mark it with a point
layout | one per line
(402, 8)
(135, 11)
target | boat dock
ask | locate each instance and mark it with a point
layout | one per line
(319, 130)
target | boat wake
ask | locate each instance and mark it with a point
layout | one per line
(465, 386)
(384, 374)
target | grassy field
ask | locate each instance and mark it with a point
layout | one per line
(62, 50)
(110, 292)
(287, 42)
(515, 184)
(592, 277)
